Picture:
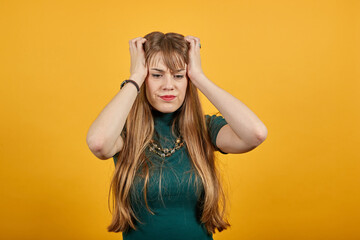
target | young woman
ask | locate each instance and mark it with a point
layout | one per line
(166, 184)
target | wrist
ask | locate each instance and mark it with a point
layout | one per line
(137, 78)
(127, 81)
(196, 76)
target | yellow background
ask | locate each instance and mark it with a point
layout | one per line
(295, 64)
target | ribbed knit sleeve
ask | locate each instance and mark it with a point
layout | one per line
(214, 124)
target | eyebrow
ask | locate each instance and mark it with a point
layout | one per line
(160, 70)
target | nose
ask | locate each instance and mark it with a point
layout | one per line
(168, 83)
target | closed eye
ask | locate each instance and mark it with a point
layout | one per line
(158, 75)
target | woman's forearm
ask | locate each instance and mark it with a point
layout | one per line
(106, 128)
(241, 119)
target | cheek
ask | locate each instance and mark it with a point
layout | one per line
(185, 87)
(148, 93)
(149, 88)
(152, 85)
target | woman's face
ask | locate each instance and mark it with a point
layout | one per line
(165, 91)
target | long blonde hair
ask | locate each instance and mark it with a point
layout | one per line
(139, 127)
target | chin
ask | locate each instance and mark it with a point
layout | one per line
(168, 109)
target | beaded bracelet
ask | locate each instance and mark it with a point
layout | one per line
(131, 81)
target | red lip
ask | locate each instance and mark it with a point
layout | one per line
(167, 97)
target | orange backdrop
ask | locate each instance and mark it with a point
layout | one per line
(295, 64)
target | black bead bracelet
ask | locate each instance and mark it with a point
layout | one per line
(131, 81)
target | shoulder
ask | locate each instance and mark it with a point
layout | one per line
(214, 123)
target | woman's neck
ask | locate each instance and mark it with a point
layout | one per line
(163, 118)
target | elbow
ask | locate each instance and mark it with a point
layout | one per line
(93, 143)
(261, 136)
(96, 147)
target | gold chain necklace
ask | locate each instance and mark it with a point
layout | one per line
(153, 147)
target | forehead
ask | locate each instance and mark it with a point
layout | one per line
(158, 61)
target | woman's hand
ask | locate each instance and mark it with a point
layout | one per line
(194, 67)
(138, 67)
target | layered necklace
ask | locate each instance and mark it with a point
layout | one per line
(165, 152)
(155, 146)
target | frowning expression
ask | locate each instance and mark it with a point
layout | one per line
(165, 90)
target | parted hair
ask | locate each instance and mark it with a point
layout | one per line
(191, 124)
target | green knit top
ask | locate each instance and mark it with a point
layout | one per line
(176, 207)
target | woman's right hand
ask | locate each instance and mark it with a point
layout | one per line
(138, 66)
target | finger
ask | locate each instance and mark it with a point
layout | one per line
(132, 42)
(192, 43)
(140, 43)
(197, 40)
(135, 39)
(197, 43)
(189, 38)
(192, 37)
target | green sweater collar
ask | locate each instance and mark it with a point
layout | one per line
(163, 119)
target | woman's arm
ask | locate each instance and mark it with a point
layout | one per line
(245, 130)
(104, 133)
(105, 130)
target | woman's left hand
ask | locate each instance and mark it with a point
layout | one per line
(194, 66)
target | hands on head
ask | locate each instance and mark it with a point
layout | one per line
(139, 67)
(194, 67)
